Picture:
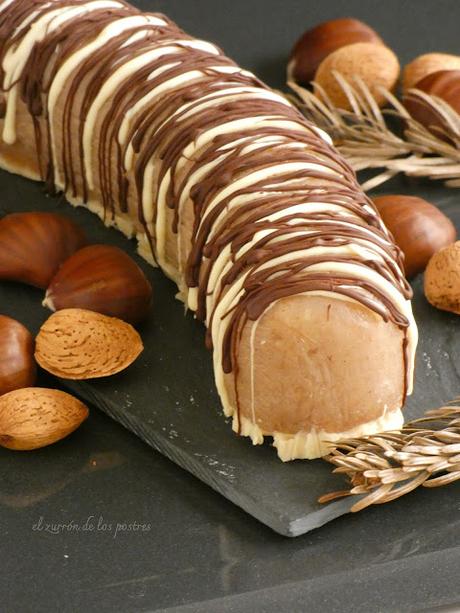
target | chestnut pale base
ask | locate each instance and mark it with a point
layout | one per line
(317, 369)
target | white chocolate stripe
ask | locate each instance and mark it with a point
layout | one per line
(231, 298)
(111, 85)
(145, 100)
(188, 153)
(111, 31)
(5, 4)
(16, 58)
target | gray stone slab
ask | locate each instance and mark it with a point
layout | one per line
(168, 398)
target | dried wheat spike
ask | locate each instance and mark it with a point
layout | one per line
(389, 465)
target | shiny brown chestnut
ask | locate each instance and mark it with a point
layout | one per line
(17, 364)
(316, 44)
(444, 84)
(426, 64)
(33, 246)
(418, 227)
(104, 279)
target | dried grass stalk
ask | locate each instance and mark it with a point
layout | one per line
(368, 140)
(387, 466)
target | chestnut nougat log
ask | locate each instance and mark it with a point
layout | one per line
(242, 202)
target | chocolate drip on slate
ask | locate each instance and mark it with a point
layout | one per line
(252, 222)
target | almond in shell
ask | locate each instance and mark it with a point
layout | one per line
(34, 417)
(376, 65)
(82, 344)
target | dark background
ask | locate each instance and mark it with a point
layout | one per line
(259, 34)
(201, 553)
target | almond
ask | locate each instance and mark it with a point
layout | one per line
(375, 64)
(442, 279)
(34, 417)
(81, 344)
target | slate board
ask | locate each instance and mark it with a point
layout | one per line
(168, 398)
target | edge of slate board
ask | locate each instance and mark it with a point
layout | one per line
(199, 468)
(168, 398)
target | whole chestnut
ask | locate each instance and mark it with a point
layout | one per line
(317, 43)
(33, 246)
(444, 84)
(17, 364)
(418, 227)
(426, 64)
(104, 279)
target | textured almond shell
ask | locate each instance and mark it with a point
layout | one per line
(442, 279)
(81, 344)
(375, 64)
(34, 417)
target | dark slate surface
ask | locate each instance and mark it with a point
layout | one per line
(196, 551)
(168, 398)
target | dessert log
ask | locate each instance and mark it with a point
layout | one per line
(241, 201)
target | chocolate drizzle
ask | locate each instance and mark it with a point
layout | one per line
(276, 209)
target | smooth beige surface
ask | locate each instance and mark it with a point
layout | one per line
(318, 363)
